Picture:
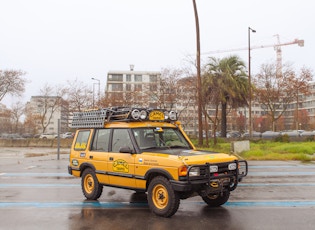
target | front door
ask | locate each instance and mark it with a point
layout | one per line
(121, 166)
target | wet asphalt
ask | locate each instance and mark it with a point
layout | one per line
(36, 192)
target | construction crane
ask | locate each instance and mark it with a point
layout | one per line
(277, 48)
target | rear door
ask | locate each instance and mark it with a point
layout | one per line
(98, 154)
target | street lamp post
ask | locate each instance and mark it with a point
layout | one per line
(249, 85)
(99, 89)
(199, 88)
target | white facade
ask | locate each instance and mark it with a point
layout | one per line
(48, 106)
(132, 88)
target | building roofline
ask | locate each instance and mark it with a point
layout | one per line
(132, 72)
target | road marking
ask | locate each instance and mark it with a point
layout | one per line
(78, 185)
(271, 204)
(275, 184)
(119, 205)
(270, 173)
(30, 167)
(250, 173)
(37, 175)
(38, 185)
(71, 204)
(280, 166)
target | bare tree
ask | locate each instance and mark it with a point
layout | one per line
(11, 82)
(211, 101)
(277, 91)
(78, 95)
(17, 111)
(174, 88)
(48, 103)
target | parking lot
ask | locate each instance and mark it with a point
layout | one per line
(36, 192)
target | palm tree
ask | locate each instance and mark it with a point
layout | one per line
(228, 79)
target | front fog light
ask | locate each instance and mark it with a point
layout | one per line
(194, 171)
(143, 114)
(166, 115)
(232, 166)
(213, 168)
(172, 116)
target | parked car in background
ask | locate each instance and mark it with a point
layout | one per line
(48, 136)
(270, 134)
(67, 135)
(254, 134)
(307, 133)
(233, 134)
(27, 135)
(11, 136)
(291, 133)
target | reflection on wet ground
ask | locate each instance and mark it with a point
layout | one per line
(205, 218)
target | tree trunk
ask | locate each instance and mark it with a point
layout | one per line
(223, 120)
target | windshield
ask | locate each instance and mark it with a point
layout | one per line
(159, 138)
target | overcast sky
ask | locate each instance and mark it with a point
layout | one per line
(58, 40)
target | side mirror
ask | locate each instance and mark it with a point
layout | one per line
(125, 149)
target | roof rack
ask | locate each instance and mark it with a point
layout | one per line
(98, 118)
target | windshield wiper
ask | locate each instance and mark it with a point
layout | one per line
(177, 146)
(151, 147)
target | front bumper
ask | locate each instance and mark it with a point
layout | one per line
(212, 182)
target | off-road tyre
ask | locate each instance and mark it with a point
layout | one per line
(91, 188)
(217, 200)
(162, 199)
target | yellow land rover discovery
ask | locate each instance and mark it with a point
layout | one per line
(146, 150)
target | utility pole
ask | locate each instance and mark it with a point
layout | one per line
(250, 126)
(199, 88)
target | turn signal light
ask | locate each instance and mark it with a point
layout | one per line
(182, 171)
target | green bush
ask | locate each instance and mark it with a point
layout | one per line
(283, 138)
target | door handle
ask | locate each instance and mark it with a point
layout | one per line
(111, 158)
(91, 157)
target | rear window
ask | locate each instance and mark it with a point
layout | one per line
(82, 140)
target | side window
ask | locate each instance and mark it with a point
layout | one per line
(82, 140)
(101, 140)
(121, 138)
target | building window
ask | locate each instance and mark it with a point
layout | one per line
(138, 78)
(115, 77)
(138, 87)
(128, 87)
(128, 77)
(153, 78)
(117, 87)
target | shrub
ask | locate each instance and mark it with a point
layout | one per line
(283, 138)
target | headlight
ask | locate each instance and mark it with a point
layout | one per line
(232, 166)
(195, 171)
(213, 168)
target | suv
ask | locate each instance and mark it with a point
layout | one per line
(48, 136)
(146, 150)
